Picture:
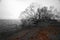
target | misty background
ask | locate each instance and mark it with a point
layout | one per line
(11, 9)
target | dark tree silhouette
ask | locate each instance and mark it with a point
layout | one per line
(42, 17)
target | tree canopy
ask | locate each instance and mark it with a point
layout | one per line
(35, 16)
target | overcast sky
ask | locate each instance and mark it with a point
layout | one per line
(11, 9)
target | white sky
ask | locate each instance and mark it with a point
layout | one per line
(11, 9)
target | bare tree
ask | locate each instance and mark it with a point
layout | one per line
(41, 16)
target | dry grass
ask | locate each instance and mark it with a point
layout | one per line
(36, 34)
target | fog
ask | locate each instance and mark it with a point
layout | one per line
(11, 9)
